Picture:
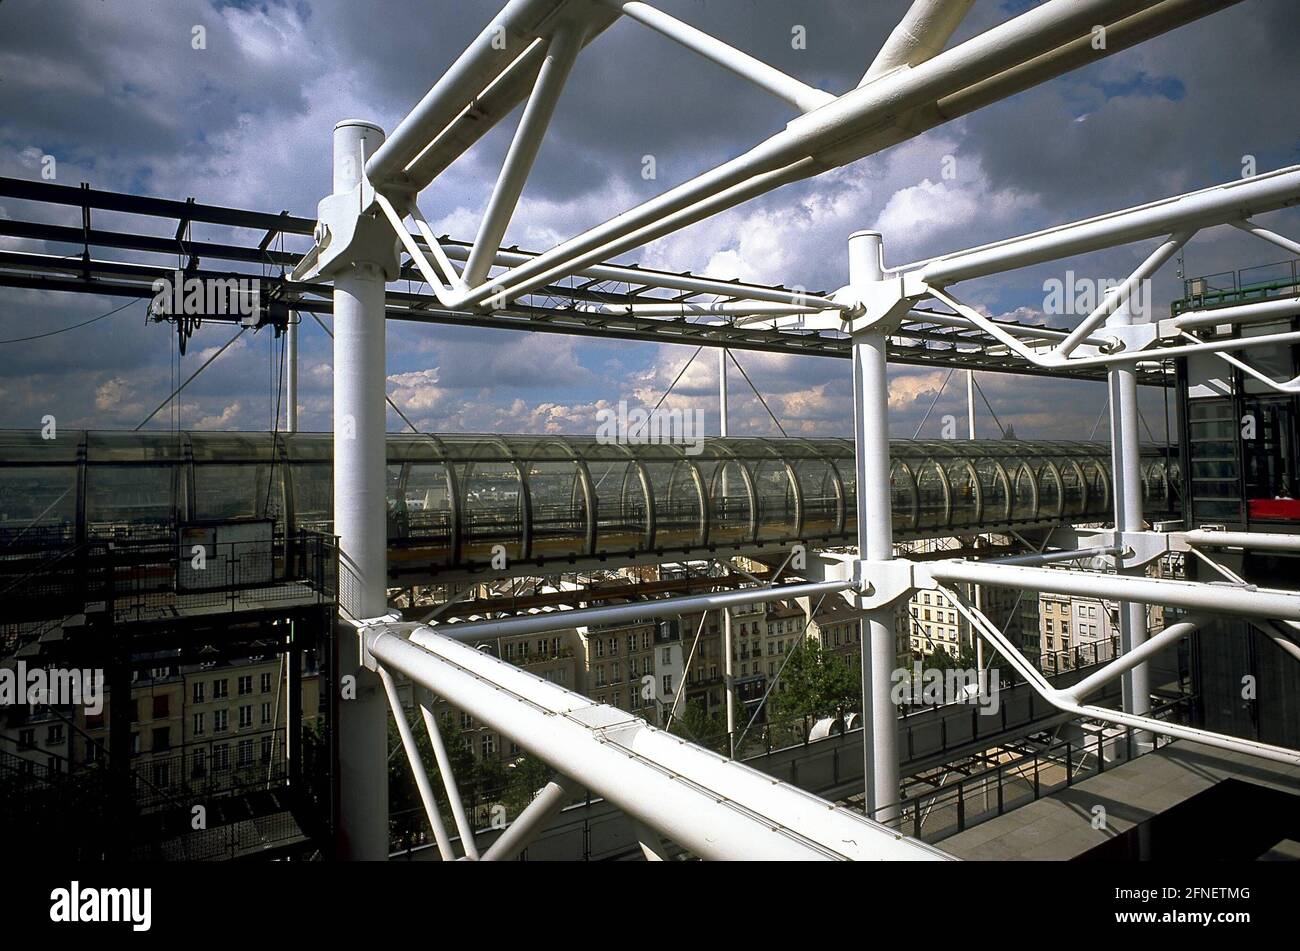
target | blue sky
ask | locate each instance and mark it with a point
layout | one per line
(117, 94)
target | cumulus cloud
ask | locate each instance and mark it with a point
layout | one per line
(247, 122)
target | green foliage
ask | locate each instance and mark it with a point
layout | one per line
(694, 724)
(940, 659)
(815, 683)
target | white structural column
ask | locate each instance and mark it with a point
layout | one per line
(1127, 471)
(875, 538)
(291, 375)
(728, 661)
(359, 517)
(976, 592)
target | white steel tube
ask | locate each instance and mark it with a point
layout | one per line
(483, 59)
(757, 309)
(798, 94)
(1047, 558)
(1218, 204)
(360, 517)
(545, 805)
(728, 658)
(1130, 659)
(1276, 754)
(291, 375)
(1190, 595)
(1255, 541)
(1118, 297)
(638, 276)
(875, 538)
(823, 134)
(919, 36)
(1063, 701)
(560, 55)
(1238, 314)
(418, 772)
(618, 613)
(1272, 237)
(712, 806)
(463, 825)
(1054, 360)
(1126, 483)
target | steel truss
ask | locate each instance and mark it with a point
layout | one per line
(704, 803)
(624, 302)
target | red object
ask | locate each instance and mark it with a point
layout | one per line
(1274, 508)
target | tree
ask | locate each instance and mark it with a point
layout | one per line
(815, 683)
(700, 727)
(940, 659)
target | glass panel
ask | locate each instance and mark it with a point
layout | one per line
(251, 490)
(1022, 494)
(559, 508)
(313, 496)
(774, 490)
(129, 500)
(819, 488)
(932, 491)
(620, 499)
(491, 498)
(1072, 489)
(965, 494)
(37, 502)
(903, 497)
(728, 504)
(994, 491)
(419, 515)
(1049, 491)
(1094, 473)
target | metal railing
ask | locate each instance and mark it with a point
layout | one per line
(1260, 282)
(967, 801)
(140, 577)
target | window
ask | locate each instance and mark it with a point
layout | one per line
(26, 739)
(162, 739)
(613, 646)
(162, 774)
(668, 655)
(220, 721)
(54, 734)
(220, 757)
(220, 690)
(199, 686)
(466, 721)
(266, 750)
(600, 647)
(161, 706)
(200, 723)
(246, 715)
(266, 682)
(244, 753)
(199, 763)
(266, 713)
(245, 685)
(668, 685)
